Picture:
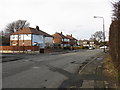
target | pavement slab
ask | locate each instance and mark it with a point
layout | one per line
(96, 69)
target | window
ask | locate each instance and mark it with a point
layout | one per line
(19, 37)
(13, 37)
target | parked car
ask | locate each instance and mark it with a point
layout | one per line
(85, 47)
(102, 47)
(90, 48)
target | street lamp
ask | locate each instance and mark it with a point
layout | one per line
(103, 29)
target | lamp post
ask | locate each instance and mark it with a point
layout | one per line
(103, 30)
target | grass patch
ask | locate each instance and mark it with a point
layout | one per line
(111, 72)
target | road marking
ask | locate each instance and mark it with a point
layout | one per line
(35, 67)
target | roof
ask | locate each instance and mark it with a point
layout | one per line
(30, 30)
(70, 37)
(84, 40)
(60, 34)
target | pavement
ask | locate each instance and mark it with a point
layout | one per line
(93, 74)
(90, 75)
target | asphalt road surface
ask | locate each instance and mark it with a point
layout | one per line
(44, 70)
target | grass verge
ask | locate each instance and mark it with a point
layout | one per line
(110, 72)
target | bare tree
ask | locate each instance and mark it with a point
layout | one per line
(97, 36)
(116, 11)
(14, 26)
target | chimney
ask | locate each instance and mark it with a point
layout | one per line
(71, 35)
(37, 28)
(61, 32)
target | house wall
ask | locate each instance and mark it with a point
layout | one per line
(73, 42)
(39, 39)
(14, 37)
(13, 42)
(20, 43)
(28, 40)
(25, 37)
(21, 37)
(92, 43)
(48, 41)
(57, 39)
(23, 40)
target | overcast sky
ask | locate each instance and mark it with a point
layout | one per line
(67, 16)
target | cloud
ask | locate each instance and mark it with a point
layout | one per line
(69, 16)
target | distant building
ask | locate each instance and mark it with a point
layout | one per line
(92, 43)
(60, 40)
(87, 43)
(31, 37)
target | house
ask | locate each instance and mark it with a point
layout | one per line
(92, 43)
(87, 43)
(60, 40)
(84, 43)
(73, 41)
(31, 37)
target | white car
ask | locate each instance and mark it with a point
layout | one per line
(91, 48)
(102, 47)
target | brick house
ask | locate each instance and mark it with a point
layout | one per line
(92, 43)
(73, 41)
(30, 37)
(84, 43)
(60, 40)
(87, 43)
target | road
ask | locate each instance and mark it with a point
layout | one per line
(45, 70)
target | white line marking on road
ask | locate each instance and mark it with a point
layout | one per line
(35, 67)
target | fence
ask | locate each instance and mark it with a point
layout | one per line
(13, 49)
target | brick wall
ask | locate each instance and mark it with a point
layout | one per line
(57, 39)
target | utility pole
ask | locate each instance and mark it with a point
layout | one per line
(103, 31)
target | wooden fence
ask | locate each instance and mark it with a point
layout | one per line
(19, 48)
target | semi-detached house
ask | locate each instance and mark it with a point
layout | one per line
(31, 37)
(60, 40)
(73, 41)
